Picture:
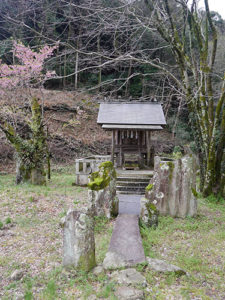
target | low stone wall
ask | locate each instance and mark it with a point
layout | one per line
(102, 191)
(173, 186)
(86, 166)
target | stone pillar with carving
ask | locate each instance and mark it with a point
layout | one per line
(78, 240)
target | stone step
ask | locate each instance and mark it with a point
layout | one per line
(134, 183)
(133, 179)
(135, 175)
(130, 188)
(131, 192)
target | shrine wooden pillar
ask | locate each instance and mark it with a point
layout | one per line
(113, 146)
(148, 146)
(121, 150)
(139, 148)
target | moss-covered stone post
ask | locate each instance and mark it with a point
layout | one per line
(102, 191)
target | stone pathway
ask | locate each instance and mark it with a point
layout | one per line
(129, 204)
(125, 247)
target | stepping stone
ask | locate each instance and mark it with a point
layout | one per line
(129, 293)
(125, 247)
(129, 277)
(163, 267)
(129, 204)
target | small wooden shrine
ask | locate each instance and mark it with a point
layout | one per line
(131, 125)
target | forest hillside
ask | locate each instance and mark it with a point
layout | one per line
(71, 122)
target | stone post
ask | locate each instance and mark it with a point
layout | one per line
(78, 240)
(105, 201)
(102, 191)
(173, 185)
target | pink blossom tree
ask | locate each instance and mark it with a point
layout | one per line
(27, 72)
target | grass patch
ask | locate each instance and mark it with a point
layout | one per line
(103, 233)
(107, 291)
(50, 292)
(28, 221)
(194, 244)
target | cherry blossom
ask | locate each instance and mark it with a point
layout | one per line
(30, 68)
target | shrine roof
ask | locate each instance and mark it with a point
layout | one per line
(131, 127)
(131, 114)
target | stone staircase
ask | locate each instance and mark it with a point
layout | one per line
(133, 182)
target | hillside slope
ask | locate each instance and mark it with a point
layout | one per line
(71, 120)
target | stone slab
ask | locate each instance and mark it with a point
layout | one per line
(129, 204)
(164, 267)
(129, 277)
(125, 243)
(129, 293)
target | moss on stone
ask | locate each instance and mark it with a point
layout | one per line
(151, 208)
(171, 168)
(149, 187)
(115, 207)
(87, 262)
(101, 179)
(177, 155)
(153, 214)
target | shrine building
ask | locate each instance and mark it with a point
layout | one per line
(131, 125)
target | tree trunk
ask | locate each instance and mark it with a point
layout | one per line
(22, 173)
(30, 154)
(128, 81)
(222, 185)
(100, 62)
(76, 68)
(38, 176)
(64, 71)
(40, 152)
(176, 119)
